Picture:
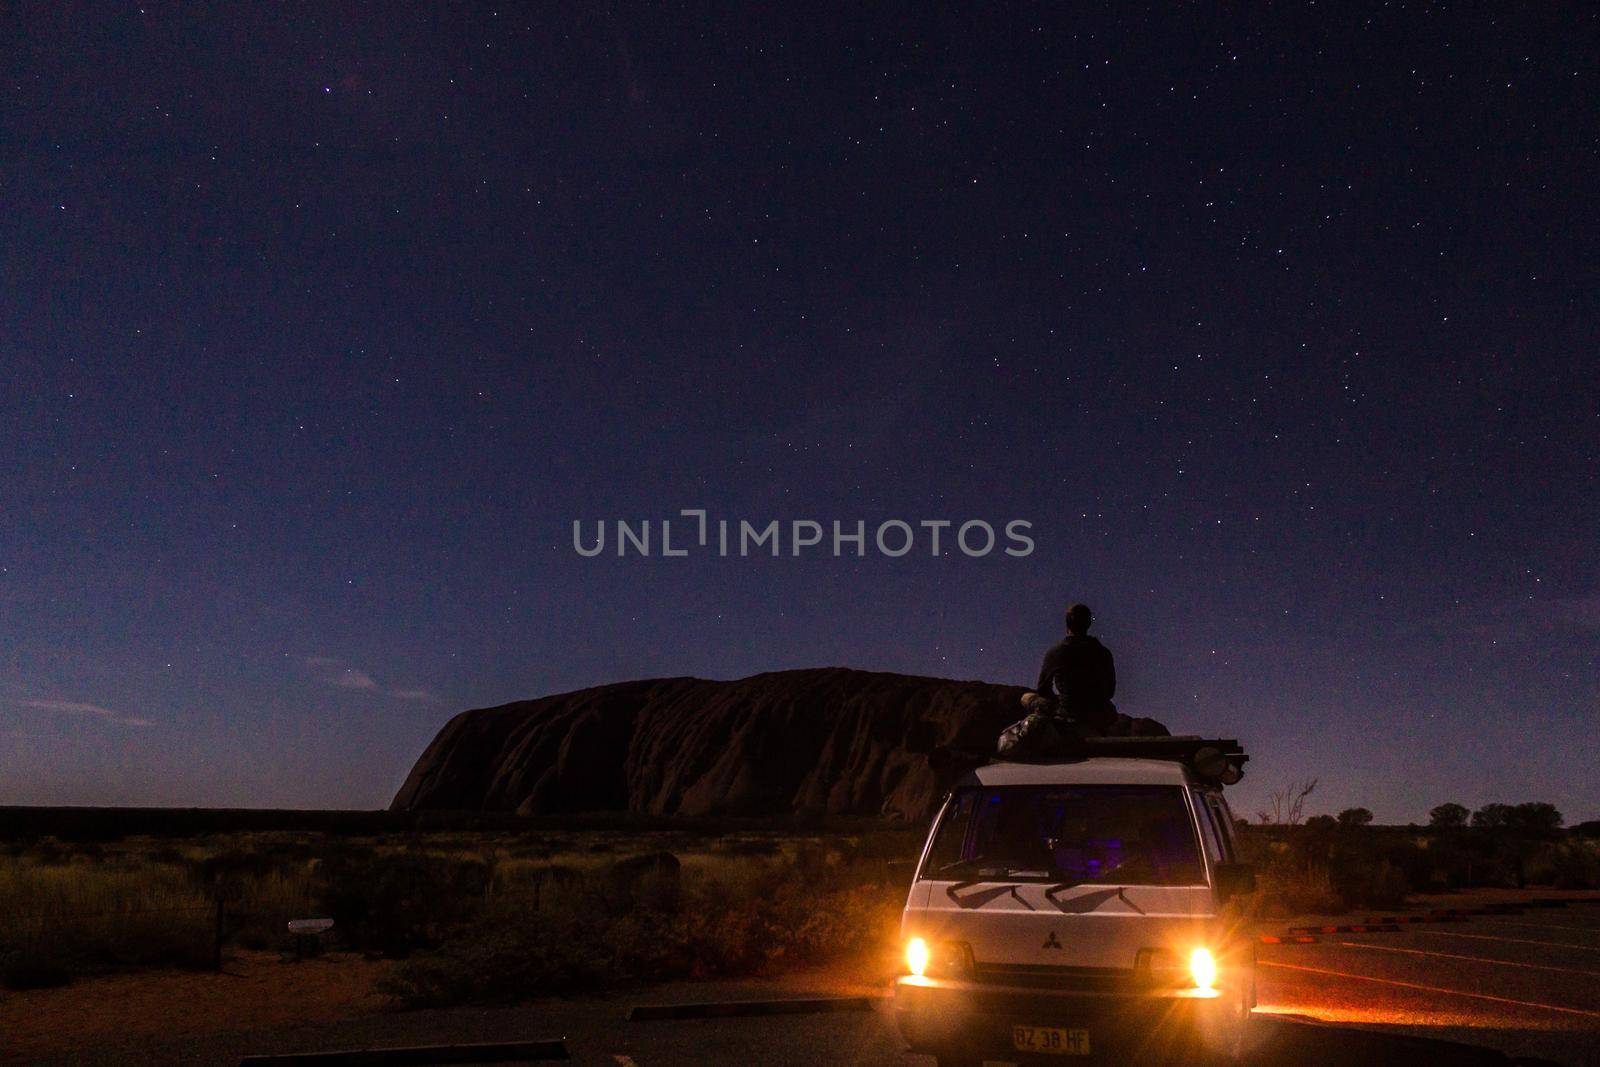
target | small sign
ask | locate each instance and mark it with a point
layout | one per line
(310, 926)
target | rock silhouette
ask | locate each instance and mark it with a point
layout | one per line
(828, 741)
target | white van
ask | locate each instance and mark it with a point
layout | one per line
(1080, 909)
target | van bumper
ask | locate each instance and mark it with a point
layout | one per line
(977, 1020)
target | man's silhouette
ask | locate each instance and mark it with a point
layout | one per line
(1081, 675)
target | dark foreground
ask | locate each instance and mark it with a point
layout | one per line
(1526, 985)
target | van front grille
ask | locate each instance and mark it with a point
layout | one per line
(1046, 976)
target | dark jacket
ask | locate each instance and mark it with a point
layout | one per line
(1082, 675)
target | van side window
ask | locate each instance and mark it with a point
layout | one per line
(1208, 827)
(1219, 811)
(950, 839)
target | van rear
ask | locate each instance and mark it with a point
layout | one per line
(1078, 910)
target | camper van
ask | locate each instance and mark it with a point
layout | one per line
(1082, 908)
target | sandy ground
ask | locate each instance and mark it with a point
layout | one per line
(254, 990)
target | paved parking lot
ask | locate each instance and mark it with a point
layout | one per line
(1527, 984)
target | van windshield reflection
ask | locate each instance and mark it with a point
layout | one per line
(1072, 835)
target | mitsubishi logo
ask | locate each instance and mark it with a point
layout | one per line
(1051, 942)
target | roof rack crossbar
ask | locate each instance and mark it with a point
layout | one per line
(1181, 748)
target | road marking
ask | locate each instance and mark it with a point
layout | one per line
(1547, 926)
(1511, 940)
(1469, 959)
(1433, 989)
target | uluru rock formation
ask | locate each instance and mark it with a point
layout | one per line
(829, 741)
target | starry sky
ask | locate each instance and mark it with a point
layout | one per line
(320, 327)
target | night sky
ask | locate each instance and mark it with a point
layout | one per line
(319, 328)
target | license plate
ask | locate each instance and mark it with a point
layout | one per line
(1050, 1040)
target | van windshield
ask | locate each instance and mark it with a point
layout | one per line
(1106, 834)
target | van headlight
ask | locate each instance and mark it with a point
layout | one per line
(917, 956)
(942, 959)
(1165, 968)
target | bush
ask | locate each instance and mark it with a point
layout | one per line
(1373, 885)
(1288, 888)
(24, 969)
(509, 956)
(738, 921)
(477, 917)
(399, 903)
(66, 920)
(748, 846)
(1573, 865)
(1325, 868)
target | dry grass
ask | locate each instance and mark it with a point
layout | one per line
(141, 902)
(89, 914)
(726, 916)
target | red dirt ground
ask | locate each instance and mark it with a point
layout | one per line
(255, 989)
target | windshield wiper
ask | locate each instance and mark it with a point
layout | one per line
(995, 867)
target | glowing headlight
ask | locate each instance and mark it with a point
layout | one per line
(917, 956)
(1203, 968)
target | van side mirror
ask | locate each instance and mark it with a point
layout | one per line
(1233, 879)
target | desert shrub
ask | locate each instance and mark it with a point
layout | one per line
(511, 954)
(75, 919)
(748, 846)
(33, 969)
(228, 871)
(1360, 853)
(652, 881)
(458, 903)
(744, 919)
(402, 902)
(551, 887)
(1573, 864)
(258, 917)
(1288, 888)
(1451, 862)
(1374, 885)
(48, 852)
(1322, 867)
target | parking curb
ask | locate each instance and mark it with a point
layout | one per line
(727, 1009)
(480, 1052)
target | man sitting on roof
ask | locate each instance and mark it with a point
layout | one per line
(1080, 674)
(1078, 680)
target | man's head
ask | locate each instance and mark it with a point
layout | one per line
(1079, 618)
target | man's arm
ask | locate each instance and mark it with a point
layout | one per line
(1047, 673)
(1111, 675)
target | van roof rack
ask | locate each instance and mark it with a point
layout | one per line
(1218, 759)
(1181, 746)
